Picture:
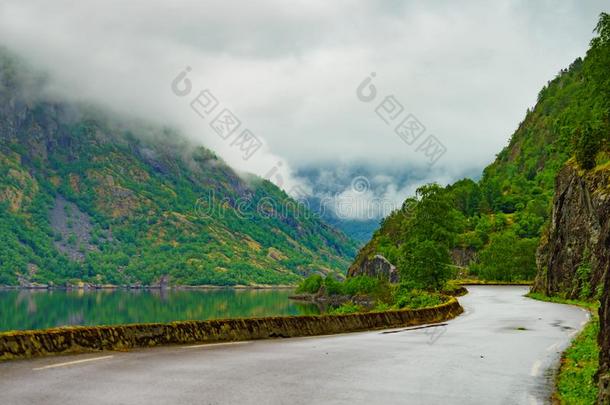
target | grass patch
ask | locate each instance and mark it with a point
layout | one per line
(364, 294)
(590, 305)
(415, 299)
(346, 308)
(454, 289)
(575, 383)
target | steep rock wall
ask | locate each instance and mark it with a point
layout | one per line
(574, 255)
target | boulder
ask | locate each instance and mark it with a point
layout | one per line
(378, 267)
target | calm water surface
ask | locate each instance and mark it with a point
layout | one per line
(22, 310)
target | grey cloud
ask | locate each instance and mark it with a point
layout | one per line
(467, 69)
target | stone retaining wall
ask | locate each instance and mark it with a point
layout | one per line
(26, 344)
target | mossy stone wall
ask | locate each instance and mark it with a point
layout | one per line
(26, 344)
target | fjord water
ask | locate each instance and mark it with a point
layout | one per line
(38, 309)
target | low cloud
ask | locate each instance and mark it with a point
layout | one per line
(466, 70)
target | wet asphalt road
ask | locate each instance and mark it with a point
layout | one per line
(502, 350)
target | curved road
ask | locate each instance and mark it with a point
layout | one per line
(502, 350)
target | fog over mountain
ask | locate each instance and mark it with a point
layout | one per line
(290, 75)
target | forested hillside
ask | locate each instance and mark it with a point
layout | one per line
(88, 197)
(574, 254)
(491, 228)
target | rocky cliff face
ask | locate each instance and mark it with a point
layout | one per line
(574, 256)
(574, 253)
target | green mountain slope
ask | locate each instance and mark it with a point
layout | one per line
(497, 222)
(92, 198)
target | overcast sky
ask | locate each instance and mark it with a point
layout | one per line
(289, 71)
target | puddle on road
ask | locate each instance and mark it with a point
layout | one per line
(558, 324)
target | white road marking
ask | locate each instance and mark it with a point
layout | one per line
(323, 336)
(70, 363)
(535, 368)
(210, 345)
(552, 347)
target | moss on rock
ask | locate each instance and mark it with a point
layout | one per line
(26, 344)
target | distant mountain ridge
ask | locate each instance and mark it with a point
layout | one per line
(86, 197)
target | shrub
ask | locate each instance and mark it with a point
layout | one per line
(382, 307)
(346, 308)
(310, 285)
(332, 286)
(361, 285)
(507, 258)
(451, 287)
(414, 299)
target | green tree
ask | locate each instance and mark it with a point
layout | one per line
(425, 265)
(587, 146)
(430, 232)
(507, 258)
(433, 217)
